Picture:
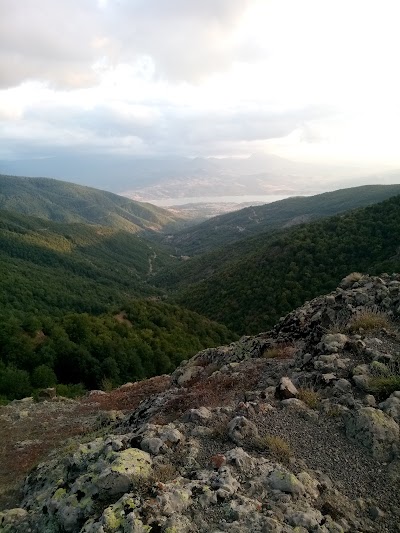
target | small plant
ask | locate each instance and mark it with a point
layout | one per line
(277, 446)
(384, 386)
(280, 351)
(106, 385)
(385, 378)
(369, 320)
(309, 396)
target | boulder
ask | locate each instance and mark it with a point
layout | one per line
(241, 430)
(375, 431)
(286, 389)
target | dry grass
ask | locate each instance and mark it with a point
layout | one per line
(309, 396)
(369, 320)
(276, 446)
(280, 351)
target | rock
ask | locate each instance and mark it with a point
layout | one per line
(333, 342)
(200, 415)
(286, 389)
(391, 406)
(375, 431)
(47, 394)
(152, 445)
(128, 468)
(14, 520)
(361, 381)
(241, 430)
(184, 375)
(240, 459)
(285, 482)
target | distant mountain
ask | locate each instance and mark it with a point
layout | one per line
(174, 176)
(61, 201)
(232, 227)
(250, 284)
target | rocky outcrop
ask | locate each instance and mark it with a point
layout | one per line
(295, 429)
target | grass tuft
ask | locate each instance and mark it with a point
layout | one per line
(369, 320)
(277, 446)
(309, 396)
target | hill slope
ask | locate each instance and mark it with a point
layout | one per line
(67, 202)
(258, 280)
(251, 221)
(54, 267)
(314, 446)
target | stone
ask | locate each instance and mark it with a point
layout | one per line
(286, 389)
(200, 415)
(152, 445)
(129, 467)
(285, 481)
(47, 394)
(375, 431)
(333, 342)
(391, 406)
(242, 430)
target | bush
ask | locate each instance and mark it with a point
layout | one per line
(309, 396)
(43, 376)
(369, 320)
(71, 391)
(14, 383)
(277, 446)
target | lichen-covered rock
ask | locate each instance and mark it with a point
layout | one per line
(129, 467)
(285, 481)
(375, 431)
(14, 519)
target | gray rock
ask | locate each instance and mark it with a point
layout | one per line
(375, 431)
(285, 481)
(391, 406)
(286, 389)
(129, 467)
(241, 430)
(200, 415)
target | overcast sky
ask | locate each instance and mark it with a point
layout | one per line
(308, 80)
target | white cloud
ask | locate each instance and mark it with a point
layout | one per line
(311, 79)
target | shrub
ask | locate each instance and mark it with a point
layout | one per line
(385, 379)
(277, 446)
(309, 396)
(70, 391)
(280, 351)
(43, 376)
(14, 383)
(369, 320)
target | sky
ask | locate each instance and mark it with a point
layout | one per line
(309, 80)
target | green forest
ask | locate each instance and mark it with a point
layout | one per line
(85, 305)
(256, 283)
(148, 338)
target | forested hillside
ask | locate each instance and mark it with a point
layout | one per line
(54, 267)
(147, 338)
(272, 275)
(232, 227)
(60, 201)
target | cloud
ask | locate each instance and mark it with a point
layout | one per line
(68, 42)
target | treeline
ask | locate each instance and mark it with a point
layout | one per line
(146, 339)
(276, 274)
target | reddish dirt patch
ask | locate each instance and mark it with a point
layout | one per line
(30, 431)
